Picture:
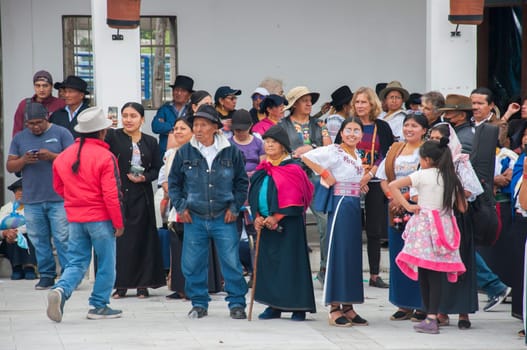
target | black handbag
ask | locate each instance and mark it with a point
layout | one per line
(485, 223)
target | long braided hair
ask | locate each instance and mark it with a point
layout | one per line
(83, 137)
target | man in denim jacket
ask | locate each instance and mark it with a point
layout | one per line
(207, 185)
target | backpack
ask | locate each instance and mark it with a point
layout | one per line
(482, 210)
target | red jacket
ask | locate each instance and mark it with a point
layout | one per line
(94, 192)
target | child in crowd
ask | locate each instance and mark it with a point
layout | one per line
(431, 236)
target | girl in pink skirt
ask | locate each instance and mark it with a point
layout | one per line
(431, 237)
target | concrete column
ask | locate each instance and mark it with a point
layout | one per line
(117, 65)
(450, 60)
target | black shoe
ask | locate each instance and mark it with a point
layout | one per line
(497, 299)
(238, 313)
(298, 316)
(463, 324)
(197, 312)
(18, 273)
(378, 283)
(45, 283)
(174, 295)
(270, 313)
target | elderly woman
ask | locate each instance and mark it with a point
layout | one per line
(394, 95)
(279, 194)
(401, 160)
(341, 167)
(376, 140)
(12, 222)
(139, 261)
(305, 134)
(273, 108)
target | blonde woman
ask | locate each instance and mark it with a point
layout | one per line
(376, 140)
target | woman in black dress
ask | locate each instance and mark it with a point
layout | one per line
(139, 261)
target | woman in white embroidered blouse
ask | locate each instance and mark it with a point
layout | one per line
(340, 166)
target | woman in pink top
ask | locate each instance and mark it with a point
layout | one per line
(273, 107)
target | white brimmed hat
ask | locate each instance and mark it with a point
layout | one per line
(91, 120)
(295, 93)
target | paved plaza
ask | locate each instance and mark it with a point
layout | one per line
(158, 323)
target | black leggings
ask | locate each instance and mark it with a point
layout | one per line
(430, 283)
(376, 223)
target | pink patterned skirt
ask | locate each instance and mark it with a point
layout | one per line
(431, 241)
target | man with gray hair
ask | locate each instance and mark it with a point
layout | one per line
(431, 102)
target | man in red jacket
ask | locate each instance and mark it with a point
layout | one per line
(43, 85)
(87, 177)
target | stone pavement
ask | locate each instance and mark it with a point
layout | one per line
(158, 323)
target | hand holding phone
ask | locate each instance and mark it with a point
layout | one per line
(31, 156)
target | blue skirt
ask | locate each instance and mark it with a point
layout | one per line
(344, 263)
(404, 292)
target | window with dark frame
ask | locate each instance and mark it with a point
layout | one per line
(158, 40)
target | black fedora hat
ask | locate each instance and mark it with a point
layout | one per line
(341, 96)
(184, 82)
(74, 82)
(207, 112)
(15, 185)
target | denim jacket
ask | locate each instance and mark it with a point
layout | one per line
(206, 192)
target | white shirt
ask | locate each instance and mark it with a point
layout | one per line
(343, 166)
(209, 152)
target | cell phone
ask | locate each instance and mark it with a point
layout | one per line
(113, 113)
(33, 151)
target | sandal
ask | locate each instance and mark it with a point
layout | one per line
(443, 320)
(355, 321)
(142, 293)
(418, 316)
(119, 293)
(341, 321)
(401, 315)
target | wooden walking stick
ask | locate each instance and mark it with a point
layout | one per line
(255, 267)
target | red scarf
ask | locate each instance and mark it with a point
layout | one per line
(284, 177)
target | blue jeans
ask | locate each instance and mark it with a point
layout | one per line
(83, 236)
(195, 260)
(487, 280)
(44, 221)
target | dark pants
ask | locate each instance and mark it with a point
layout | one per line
(376, 223)
(430, 283)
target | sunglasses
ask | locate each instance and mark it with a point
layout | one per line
(257, 97)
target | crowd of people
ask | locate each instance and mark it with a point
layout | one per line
(411, 170)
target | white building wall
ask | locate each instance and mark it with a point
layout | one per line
(320, 44)
(450, 61)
